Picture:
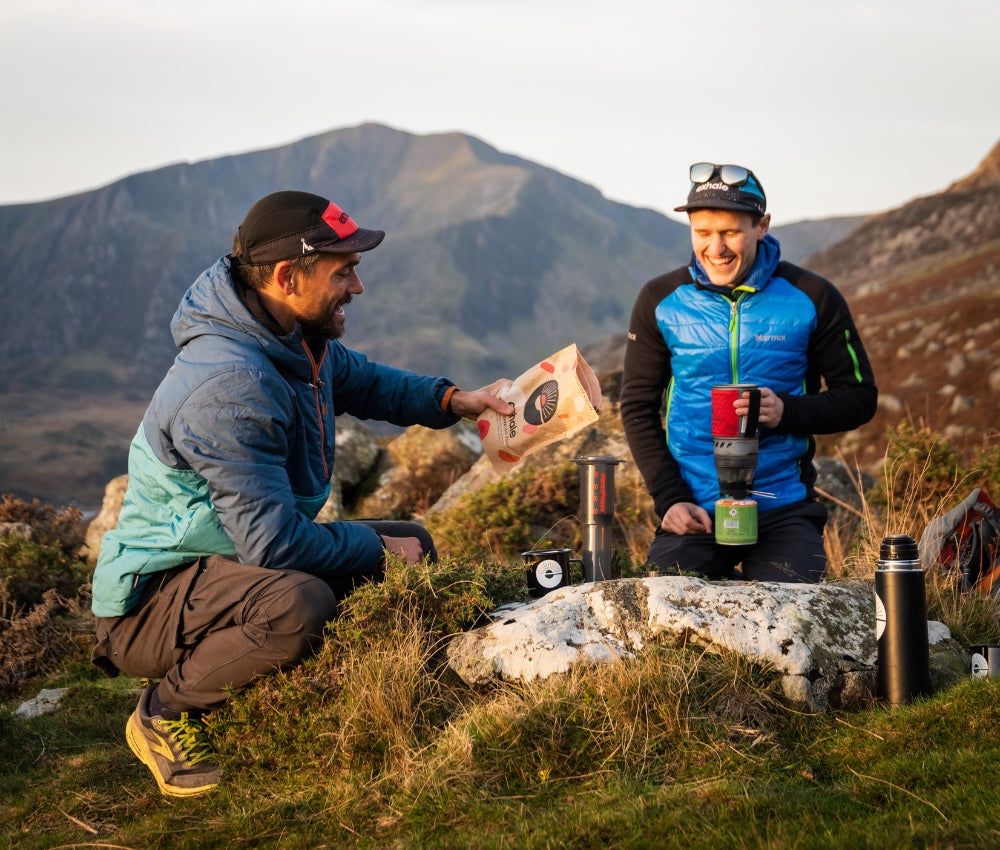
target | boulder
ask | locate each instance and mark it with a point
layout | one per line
(16, 529)
(111, 506)
(417, 467)
(819, 637)
(357, 451)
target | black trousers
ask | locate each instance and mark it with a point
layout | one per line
(789, 548)
(215, 625)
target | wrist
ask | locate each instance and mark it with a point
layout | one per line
(447, 397)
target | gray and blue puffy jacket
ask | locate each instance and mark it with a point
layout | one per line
(784, 328)
(235, 453)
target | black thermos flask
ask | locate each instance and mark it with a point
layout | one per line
(903, 656)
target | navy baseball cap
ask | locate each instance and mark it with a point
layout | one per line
(724, 187)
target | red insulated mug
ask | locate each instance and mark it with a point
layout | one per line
(725, 422)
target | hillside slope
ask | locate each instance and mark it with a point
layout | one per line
(923, 281)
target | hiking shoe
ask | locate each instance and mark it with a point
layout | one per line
(176, 751)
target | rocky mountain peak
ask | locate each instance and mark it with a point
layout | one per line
(987, 174)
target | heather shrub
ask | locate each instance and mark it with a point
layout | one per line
(62, 527)
(44, 620)
(40, 639)
(28, 569)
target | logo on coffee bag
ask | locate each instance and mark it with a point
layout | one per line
(542, 403)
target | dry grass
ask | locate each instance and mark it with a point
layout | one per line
(922, 480)
(39, 639)
(384, 709)
(392, 695)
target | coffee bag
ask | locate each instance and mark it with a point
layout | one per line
(553, 399)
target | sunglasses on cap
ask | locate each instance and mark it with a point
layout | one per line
(731, 175)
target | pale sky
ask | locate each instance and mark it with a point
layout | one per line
(845, 107)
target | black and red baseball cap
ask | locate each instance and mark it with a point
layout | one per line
(289, 224)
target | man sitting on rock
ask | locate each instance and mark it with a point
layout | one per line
(739, 314)
(216, 573)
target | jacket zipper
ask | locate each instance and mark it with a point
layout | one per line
(734, 336)
(320, 404)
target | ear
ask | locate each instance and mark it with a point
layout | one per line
(284, 277)
(765, 223)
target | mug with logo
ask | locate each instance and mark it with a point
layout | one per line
(548, 569)
(985, 661)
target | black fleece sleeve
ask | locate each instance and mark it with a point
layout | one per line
(840, 386)
(646, 376)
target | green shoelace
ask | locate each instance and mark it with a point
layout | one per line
(191, 738)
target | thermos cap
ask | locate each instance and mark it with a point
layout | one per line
(898, 551)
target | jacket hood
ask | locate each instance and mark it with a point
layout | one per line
(212, 306)
(766, 261)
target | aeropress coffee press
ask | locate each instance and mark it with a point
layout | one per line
(548, 569)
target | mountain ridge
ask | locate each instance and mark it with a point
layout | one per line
(467, 226)
(120, 257)
(491, 262)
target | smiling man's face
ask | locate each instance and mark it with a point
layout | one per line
(322, 293)
(725, 243)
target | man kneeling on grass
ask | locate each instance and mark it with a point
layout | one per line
(217, 573)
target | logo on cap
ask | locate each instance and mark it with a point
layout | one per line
(340, 222)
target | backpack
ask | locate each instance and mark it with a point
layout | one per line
(966, 540)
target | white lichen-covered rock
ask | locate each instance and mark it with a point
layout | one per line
(820, 637)
(46, 702)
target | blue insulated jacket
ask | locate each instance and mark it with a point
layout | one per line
(235, 453)
(782, 328)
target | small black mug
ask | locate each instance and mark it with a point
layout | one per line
(985, 661)
(548, 569)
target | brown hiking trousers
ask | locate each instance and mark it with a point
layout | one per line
(215, 625)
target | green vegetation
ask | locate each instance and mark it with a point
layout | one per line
(375, 743)
(530, 506)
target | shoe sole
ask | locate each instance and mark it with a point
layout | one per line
(137, 744)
